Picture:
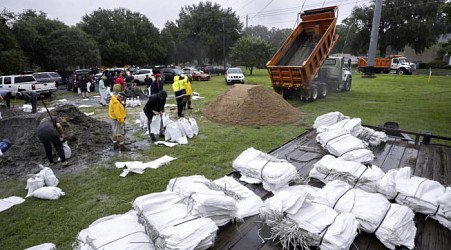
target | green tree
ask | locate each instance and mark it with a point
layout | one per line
(71, 48)
(207, 29)
(32, 31)
(12, 59)
(275, 37)
(124, 37)
(251, 52)
(414, 23)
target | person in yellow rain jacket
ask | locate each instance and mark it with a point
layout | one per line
(117, 114)
(189, 92)
(178, 86)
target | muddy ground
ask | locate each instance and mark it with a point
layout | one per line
(88, 137)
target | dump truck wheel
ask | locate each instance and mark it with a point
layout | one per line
(323, 92)
(313, 94)
(400, 72)
(347, 86)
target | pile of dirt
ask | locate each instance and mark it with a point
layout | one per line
(87, 137)
(251, 105)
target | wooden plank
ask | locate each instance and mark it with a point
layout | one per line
(230, 234)
(441, 164)
(430, 234)
(447, 161)
(381, 153)
(409, 158)
(393, 157)
(424, 162)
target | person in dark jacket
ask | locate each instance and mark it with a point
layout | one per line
(51, 132)
(148, 81)
(5, 95)
(157, 85)
(29, 96)
(154, 106)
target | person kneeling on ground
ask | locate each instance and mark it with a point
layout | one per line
(51, 132)
(116, 111)
(154, 106)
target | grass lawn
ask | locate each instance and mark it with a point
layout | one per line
(412, 101)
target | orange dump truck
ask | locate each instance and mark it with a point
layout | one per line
(395, 63)
(294, 66)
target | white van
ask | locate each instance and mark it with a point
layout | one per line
(16, 83)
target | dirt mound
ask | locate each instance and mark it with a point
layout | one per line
(251, 105)
(87, 137)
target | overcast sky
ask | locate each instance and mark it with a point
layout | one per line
(270, 13)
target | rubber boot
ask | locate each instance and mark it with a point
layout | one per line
(152, 137)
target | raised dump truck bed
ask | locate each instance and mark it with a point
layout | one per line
(426, 160)
(294, 66)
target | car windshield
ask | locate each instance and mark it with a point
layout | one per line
(54, 74)
(234, 71)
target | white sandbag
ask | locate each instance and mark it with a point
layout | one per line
(194, 126)
(373, 137)
(353, 125)
(354, 173)
(249, 203)
(88, 84)
(328, 119)
(47, 193)
(7, 203)
(49, 177)
(67, 150)
(258, 167)
(155, 124)
(114, 232)
(142, 120)
(44, 246)
(34, 182)
(172, 132)
(185, 127)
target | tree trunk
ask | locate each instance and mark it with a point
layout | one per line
(250, 70)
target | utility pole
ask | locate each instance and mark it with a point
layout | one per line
(369, 72)
(247, 20)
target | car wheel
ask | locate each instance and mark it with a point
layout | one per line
(348, 84)
(199, 78)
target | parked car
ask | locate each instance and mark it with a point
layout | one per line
(234, 75)
(48, 77)
(200, 76)
(169, 74)
(140, 75)
(188, 72)
(15, 83)
(219, 70)
(73, 85)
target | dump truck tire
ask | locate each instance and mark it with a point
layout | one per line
(313, 94)
(323, 91)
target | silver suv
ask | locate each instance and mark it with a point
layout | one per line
(48, 77)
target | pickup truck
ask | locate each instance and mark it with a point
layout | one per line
(16, 83)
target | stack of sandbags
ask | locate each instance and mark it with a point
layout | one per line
(341, 143)
(424, 196)
(297, 222)
(43, 185)
(205, 198)
(248, 204)
(354, 126)
(365, 177)
(392, 224)
(114, 232)
(170, 226)
(328, 119)
(258, 167)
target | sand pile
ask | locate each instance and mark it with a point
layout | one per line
(87, 137)
(251, 105)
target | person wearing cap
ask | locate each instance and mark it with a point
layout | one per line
(103, 91)
(157, 85)
(154, 106)
(117, 114)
